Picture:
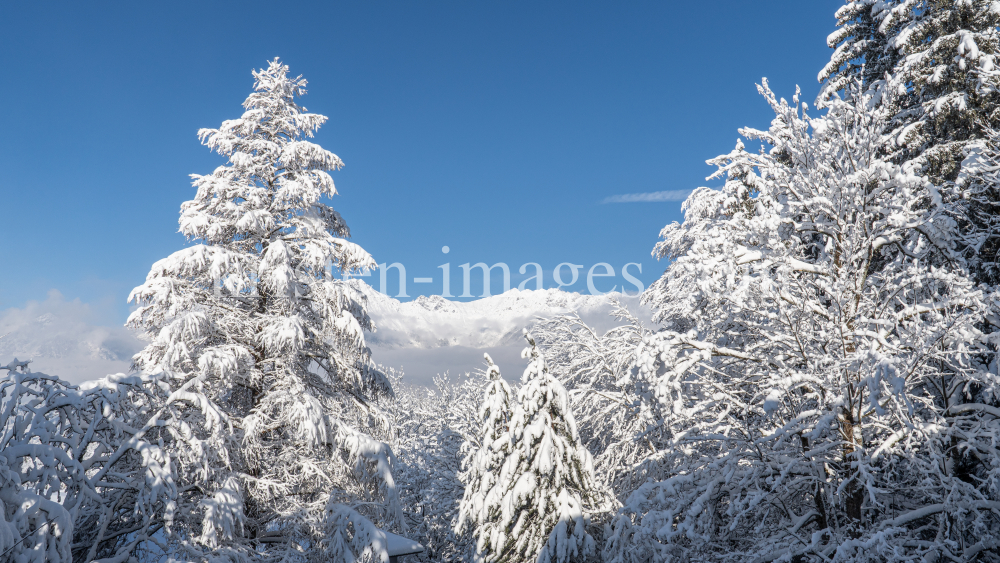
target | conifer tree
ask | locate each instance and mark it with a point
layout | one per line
(546, 479)
(480, 508)
(270, 412)
(597, 371)
(948, 54)
(862, 44)
(933, 64)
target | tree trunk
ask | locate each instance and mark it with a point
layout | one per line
(853, 492)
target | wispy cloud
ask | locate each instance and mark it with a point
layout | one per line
(668, 195)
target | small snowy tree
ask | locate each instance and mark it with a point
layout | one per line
(82, 476)
(545, 479)
(270, 414)
(480, 508)
(821, 333)
(598, 371)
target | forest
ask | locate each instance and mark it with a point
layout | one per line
(819, 382)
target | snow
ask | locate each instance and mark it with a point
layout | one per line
(69, 476)
(266, 384)
(398, 545)
(821, 375)
(527, 480)
(821, 385)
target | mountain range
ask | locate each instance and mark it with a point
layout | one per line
(432, 335)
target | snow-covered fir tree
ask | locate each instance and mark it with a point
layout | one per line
(545, 480)
(863, 43)
(270, 418)
(480, 510)
(949, 50)
(933, 63)
(598, 372)
(821, 334)
(82, 475)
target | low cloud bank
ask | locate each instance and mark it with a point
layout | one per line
(422, 338)
(65, 338)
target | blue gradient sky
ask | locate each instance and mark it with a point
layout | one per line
(494, 128)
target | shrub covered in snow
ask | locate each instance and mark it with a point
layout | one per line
(83, 475)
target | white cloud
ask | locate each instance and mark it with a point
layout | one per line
(669, 195)
(420, 365)
(65, 338)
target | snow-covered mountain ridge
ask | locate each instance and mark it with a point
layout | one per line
(432, 322)
(432, 335)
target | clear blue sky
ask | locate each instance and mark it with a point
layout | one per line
(496, 128)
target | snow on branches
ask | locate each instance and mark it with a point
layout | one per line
(598, 372)
(271, 414)
(931, 65)
(83, 476)
(821, 333)
(432, 429)
(526, 489)
(480, 508)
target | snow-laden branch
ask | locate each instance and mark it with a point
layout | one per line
(77, 480)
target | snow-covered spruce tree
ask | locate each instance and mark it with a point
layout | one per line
(932, 63)
(863, 43)
(82, 477)
(270, 414)
(821, 330)
(480, 509)
(545, 480)
(598, 371)
(432, 426)
(978, 184)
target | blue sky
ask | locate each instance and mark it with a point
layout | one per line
(495, 128)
